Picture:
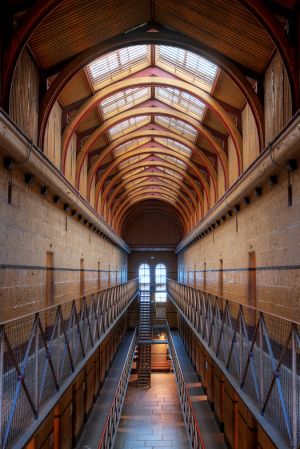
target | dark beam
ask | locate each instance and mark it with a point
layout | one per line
(287, 47)
(167, 38)
(17, 41)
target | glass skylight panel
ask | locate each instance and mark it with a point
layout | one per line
(110, 66)
(178, 126)
(188, 63)
(181, 99)
(127, 126)
(174, 145)
(123, 100)
(130, 145)
(174, 160)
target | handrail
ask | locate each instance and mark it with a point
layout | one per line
(111, 424)
(191, 423)
(41, 351)
(257, 351)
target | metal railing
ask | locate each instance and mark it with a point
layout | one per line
(191, 423)
(40, 352)
(258, 351)
(111, 424)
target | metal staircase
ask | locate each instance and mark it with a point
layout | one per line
(144, 341)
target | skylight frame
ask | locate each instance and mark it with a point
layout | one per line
(117, 64)
(178, 126)
(187, 65)
(174, 145)
(181, 100)
(123, 100)
(128, 125)
(130, 145)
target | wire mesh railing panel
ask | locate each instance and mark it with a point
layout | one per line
(40, 351)
(259, 350)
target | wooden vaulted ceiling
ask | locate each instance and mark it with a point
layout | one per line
(157, 162)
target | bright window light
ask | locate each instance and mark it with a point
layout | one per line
(123, 100)
(130, 145)
(174, 145)
(112, 65)
(178, 126)
(144, 277)
(127, 126)
(190, 64)
(182, 100)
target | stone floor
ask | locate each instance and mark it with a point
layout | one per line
(152, 418)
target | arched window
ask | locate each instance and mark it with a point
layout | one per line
(144, 277)
(160, 283)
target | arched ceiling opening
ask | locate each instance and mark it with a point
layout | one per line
(151, 94)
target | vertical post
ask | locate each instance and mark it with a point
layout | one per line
(1, 380)
(261, 360)
(294, 386)
(36, 367)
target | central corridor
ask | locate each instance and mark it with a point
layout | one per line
(152, 418)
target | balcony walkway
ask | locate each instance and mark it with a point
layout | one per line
(152, 418)
(92, 430)
(212, 437)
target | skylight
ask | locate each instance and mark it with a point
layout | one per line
(130, 145)
(182, 100)
(123, 100)
(178, 126)
(127, 126)
(188, 64)
(174, 145)
(117, 64)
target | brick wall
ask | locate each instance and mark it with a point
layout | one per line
(269, 230)
(31, 228)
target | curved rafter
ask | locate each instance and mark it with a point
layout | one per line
(158, 195)
(150, 81)
(150, 197)
(159, 38)
(202, 158)
(149, 185)
(159, 175)
(155, 164)
(149, 151)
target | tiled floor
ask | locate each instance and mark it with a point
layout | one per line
(152, 418)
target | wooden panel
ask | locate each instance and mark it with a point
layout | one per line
(196, 19)
(63, 421)
(213, 121)
(247, 428)
(230, 416)
(232, 162)
(24, 98)
(264, 441)
(43, 437)
(70, 168)
(277, 98)
(152, 228)
(78, 406)
(79, 24)
(83, 179)
(52, 142)
(210, 381)
(226, 90)
(76, 89)
(218, 386)
(250, 137)
(89, 375)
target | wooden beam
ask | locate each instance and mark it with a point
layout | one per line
(287, 49)
(17, 42)
(199, 155)
(166, 38)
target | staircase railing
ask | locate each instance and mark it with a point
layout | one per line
(144, 341)
(41, 353)
(191, 423)
(111, 425)
(259, 353)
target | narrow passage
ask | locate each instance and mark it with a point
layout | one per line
(152, 418)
